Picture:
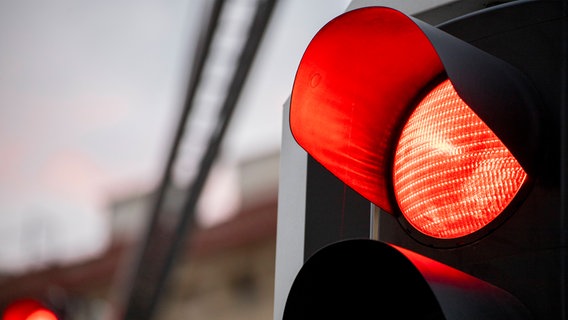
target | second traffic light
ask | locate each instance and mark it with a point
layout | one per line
(29, 309)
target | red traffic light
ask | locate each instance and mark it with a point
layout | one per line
(28, 309)
(458, 134)
(360, 78)
(451, 174)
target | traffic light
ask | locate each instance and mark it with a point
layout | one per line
(457, 133)
(28, 309)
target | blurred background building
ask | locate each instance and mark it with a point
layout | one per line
(226, 272)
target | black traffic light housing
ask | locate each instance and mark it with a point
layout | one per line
(520, 66)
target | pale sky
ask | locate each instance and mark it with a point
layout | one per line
(89, 94)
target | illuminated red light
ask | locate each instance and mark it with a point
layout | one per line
(28, 309)
(452, 175)
(42, 314)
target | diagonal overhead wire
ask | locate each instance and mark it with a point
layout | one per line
(161, 245)
(141, 295)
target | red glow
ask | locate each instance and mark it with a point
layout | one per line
(452, 175)
(436, 272)
(355, 81)
(27, 309)
(42, 314)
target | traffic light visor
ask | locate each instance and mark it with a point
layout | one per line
(359, 278)
(357, 77)
(469, 146)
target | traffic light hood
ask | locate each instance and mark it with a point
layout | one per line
(363, 73)
(357, 278)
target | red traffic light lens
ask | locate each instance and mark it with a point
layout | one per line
(452, 175)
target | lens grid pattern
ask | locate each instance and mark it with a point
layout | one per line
(452, 175)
